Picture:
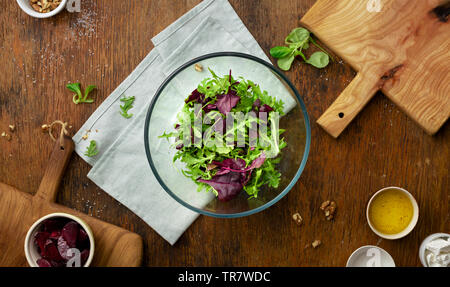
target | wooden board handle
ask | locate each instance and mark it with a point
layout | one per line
(349, 103)
(55, 169)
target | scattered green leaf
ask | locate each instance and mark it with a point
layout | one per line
(128, 104)
(298, 41)
(280, 52)
(286, 62)
(318, 60)
(91, 149)
(78, 96)
(298, 36)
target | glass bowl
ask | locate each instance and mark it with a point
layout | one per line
(168, 101)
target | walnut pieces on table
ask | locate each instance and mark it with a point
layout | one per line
(44, 6)
(316, 243)
(297, 218)
(329, 209)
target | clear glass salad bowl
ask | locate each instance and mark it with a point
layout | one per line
(168, 102)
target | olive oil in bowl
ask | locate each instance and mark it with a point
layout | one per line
(392, 213)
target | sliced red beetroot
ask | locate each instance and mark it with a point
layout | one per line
(54, 224)
(40, 238)
(50, 251)
(70, 233)
(41, 262)
(58, 263)
(82, 237)
(55, 235)
(63, 247)
(84, 256)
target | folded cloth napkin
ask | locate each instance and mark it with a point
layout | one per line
(105, 126)
(121, 167)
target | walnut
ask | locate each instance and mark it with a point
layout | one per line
(6, 136)
(324, 205)
(316, 243)
(86, 135)
(36, 7)
(297, 218)
(45, 128)
(198, 67)
(44, 6)
(329, 208)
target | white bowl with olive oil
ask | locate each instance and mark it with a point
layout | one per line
(392, 213)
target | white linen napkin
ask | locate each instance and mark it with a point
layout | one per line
(121, 167)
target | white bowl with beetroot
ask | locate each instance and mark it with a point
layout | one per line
(59, 240)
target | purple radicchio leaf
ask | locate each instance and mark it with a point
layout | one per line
(232, 176)
(195, 96)
(258, 162)
(230, 163)
(228, 101)
(265, 109)
(209, 107)
(227, 185)
(256, 104)
(238, 165)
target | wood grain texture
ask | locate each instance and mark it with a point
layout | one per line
(115, 246)
(404, 50)
(105, 42)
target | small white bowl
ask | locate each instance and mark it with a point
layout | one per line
(26, 7)
(422, 250)
(370, 256)
(411, 225)
(31, 250)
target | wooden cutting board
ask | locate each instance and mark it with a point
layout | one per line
(401, 47)
(114, 246)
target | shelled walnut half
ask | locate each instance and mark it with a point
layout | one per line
(297, 218)
(329, 209)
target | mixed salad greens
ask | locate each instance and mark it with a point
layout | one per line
(230, 168)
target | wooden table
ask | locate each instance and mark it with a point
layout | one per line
(104, 43)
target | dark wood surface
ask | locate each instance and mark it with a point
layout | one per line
(104, 43)
(114, 246)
